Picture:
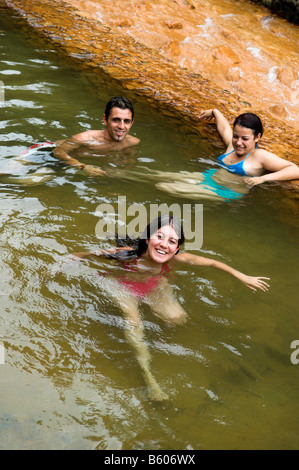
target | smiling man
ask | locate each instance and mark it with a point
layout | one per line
(118, 120)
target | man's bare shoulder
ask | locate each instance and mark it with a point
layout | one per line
(86, 136)
(131, 140)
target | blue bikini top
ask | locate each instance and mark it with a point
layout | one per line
(237, 168)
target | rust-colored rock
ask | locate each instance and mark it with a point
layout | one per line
(173, 24)
(279, 110)
(261, 41)
(287, 75)
(225, 54)
(233, 74)
(173, 48)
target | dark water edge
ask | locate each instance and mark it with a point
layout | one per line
(288, 9)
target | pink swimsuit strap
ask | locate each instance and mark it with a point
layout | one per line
(133, 266)
(141, 288)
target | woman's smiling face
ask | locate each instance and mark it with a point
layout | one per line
(163, 244)
(244, 140)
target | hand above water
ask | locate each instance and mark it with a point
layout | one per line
(207, 114)
(255, 283)
(254, 180)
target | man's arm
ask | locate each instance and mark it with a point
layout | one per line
(62, 153)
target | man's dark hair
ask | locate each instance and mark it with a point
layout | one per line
(119, 102)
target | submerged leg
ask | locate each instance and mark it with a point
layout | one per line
(189, 190)
(134, 333)
(15, 171)
(166, 306)
(38, 177)
(210, 184)
(157, 175)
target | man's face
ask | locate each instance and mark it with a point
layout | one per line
(118, 124)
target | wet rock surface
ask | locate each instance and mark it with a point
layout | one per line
(182, 57)
(236, 44)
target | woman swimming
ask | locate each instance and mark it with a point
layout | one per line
(146, 263)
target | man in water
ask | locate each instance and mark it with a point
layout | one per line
(118, 120)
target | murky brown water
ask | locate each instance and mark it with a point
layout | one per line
(70, 380)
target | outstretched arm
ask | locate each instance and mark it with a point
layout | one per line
(82, 255)
(59, 267)
(222, 124)
(252, 282)
(62, 153)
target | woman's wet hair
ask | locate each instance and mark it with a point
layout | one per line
(119, 102)
(138, 246)
(250, 121)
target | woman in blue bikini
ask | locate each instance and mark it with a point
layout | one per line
(243, 164)
(242, 156)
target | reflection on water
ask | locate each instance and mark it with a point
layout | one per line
(70, 379)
